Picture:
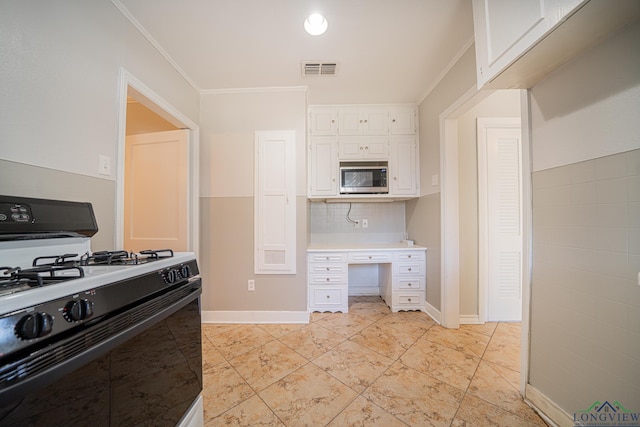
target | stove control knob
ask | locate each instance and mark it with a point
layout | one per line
(34, 325)
(185, 271)
(171, 276)
(77, 310)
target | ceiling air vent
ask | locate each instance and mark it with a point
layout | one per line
(319, 68)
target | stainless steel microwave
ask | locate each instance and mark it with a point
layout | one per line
(364, 178)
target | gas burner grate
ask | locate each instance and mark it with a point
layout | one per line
(58, 260)
(14, 279)
(108, 258)
(124, 257)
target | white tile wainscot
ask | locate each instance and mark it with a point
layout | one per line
(401, 275)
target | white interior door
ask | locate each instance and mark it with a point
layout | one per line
(500, 213)
(156, 191)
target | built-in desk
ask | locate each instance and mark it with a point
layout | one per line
(401, 275)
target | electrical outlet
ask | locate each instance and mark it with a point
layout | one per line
(356, 223)
(251, 285)
(365, 223)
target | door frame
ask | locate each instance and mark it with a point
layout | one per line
(483, 220)
(129, 85)
(449, 213)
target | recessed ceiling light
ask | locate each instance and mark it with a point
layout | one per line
(315, 24)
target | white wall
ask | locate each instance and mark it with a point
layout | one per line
(228, 124)
(423, 214)
(59, 99)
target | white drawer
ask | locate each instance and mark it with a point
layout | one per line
(328, 268)
(327, 257)
(327, 279)
(408, 268)
(369, 257)
(408, 256)
(406, 299)
(328, 297)
(409, 284)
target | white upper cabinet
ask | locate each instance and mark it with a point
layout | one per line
(323, 167)
(403, 166)
(362, 133)
(323, 122)
(402, 120)
(363, 121)
(519, 42)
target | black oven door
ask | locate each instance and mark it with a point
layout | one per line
(146, 370)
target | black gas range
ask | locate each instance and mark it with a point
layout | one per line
(64, 309)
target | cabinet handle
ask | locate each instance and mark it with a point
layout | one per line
(366, 121)
(366, 147)
(330, 297)
(409, 256)
(361, 148)
(327, 279)
(409, 268)
(409, 284)
(395, 178)
(333, 121)
(409, 299)
(370, 257)
(393, 121)
(327, 268)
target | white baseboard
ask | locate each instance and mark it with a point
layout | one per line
(255, 317)
(546, 408)
(364, 291)
(470, 319)
(433, 312)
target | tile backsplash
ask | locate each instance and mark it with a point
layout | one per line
(330, 223)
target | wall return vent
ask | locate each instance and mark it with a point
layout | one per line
(316, 68)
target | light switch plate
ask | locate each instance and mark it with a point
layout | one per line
(104, 165)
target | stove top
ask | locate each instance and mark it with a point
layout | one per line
(92, 276)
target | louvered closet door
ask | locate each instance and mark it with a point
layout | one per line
(504, 215)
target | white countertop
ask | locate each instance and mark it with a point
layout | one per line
(362, 247)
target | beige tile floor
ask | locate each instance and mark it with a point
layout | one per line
(369, 367)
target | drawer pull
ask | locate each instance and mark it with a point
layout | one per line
(409, 284)
(409, 268)
(327, 279)
(409, 299)
(409, 256)
(330, 297)
(370, 257)
(327, 268)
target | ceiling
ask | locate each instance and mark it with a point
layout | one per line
(387, 51)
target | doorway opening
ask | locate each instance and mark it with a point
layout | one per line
(143, 112)
(453, 235)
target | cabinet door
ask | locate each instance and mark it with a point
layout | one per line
(324, 121)
(506, 29)
(375, 121)
(402, 166)
(323, 169)
(402, 121)
(351, 148)
(376, 148)
(361, 148)
(349, 122)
